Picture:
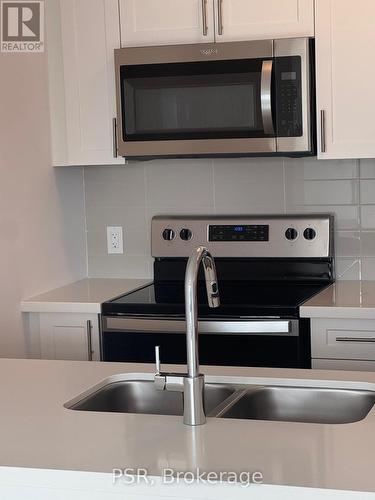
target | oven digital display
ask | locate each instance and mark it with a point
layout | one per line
(238, 233)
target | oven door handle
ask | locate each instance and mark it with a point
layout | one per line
(154, 325)
(266, 97)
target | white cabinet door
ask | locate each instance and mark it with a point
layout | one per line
(166, 22)
(69, 336)
(263, 19)
(82, 36)
(345, 41)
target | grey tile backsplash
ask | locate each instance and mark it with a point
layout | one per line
(129, 196)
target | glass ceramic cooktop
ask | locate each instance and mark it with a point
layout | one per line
(237, 299)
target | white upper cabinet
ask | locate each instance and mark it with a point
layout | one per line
(345, 41)
(263, 19)
(166, 22)
(82, 35)
(163, 22)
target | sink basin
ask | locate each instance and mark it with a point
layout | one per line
(140, 396)
(302, 404)
(320, 405)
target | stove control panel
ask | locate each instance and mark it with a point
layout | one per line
(239, 232)
(287, 236)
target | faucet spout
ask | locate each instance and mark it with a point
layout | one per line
(192, 383)
(212, 286)
(200, 254)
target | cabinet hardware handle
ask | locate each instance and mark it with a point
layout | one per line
(266, 97)
(323, 146)
(89, 340)
(204, 17)
(114, 137)
(355, 339)
(220, 17)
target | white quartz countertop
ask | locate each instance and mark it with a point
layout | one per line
(37, 431)
(84, 296)
(344, 299)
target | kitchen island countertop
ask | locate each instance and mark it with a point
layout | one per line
(37, 431)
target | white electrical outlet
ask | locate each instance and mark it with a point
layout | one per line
(115, 242)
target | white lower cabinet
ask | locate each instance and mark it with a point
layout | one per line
(68, 336)
(343, 344)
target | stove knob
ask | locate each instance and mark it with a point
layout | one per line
(309, 233)
(169, 234)
(291, 234)
(186, 234)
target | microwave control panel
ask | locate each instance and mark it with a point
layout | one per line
(289, 96)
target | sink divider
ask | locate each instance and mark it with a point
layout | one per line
(225, 405)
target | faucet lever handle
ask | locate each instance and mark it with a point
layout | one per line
(157, 358)
(160, 379)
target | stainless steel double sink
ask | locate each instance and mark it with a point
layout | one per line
(322, 405)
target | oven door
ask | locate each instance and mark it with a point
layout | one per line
(194, 100)
(271, 343)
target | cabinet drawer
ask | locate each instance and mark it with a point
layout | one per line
(343, 339)
(343, 364)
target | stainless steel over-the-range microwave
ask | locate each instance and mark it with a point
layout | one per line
(218, 99)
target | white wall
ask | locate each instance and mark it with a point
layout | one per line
(42, 237)
(129, 196)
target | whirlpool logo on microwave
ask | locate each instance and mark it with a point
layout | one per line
(209, 52)
(22, 26)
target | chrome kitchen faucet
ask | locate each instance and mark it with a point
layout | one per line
(192, 383)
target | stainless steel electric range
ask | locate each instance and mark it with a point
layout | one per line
(267, 267)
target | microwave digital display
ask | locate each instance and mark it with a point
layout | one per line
(289, 75)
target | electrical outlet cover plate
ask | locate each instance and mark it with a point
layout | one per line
(115, 243)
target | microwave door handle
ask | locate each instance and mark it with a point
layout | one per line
(266, 97)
